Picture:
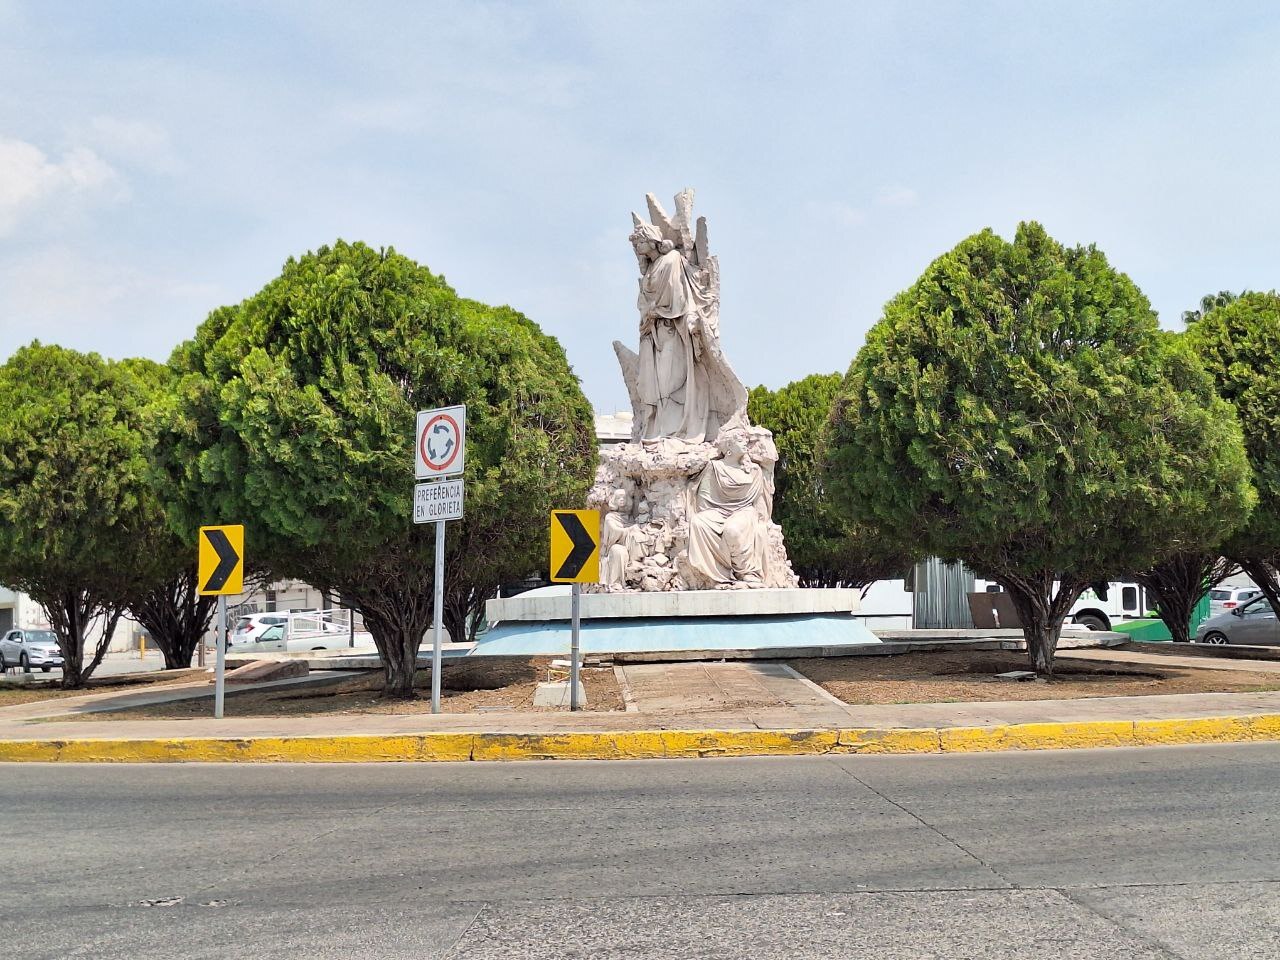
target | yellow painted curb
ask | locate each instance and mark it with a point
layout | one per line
(647, 744)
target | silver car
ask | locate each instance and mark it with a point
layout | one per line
(30, 648)
(1252, 623)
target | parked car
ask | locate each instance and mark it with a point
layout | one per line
(250, 628)
(1253, 622)
(30, 648)
(1222, 599)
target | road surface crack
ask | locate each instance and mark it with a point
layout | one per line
(929, 826)
(451, 951)
(1154, 942)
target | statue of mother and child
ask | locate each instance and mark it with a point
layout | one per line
(689, 500)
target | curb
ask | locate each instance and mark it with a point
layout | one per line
(648, 744)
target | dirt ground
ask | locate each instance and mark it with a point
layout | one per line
(44, 689)
(968, 676)
(479, 685)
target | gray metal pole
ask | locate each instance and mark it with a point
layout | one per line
(575, 650)
(220, 671)
(437, 613)
(351, 627)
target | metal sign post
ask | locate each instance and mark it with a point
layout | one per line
(439, 452)
(575, 647)
(219, 672)
(220, 573)
(575, 559)
(437, 614)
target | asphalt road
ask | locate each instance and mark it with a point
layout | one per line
(1086, 855)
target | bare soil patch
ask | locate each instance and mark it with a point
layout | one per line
(44, 689)
(480, 684)
(968, 677)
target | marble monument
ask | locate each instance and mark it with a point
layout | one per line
(687, 504)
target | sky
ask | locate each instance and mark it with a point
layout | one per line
(158, 160)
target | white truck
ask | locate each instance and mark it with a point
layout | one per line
(299, 633)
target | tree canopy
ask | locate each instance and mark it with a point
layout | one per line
(1239, 343)
(296, 417)
(76, 497)
(825, 546)
(1017, 408)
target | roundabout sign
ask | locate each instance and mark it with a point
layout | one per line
(439, 450)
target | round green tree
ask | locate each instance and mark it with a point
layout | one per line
(826, 548)
(1238, 339)
(296, 417)
(1018, 409)
(76, 495)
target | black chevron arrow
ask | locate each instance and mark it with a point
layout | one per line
(584, 545)
(228, 560)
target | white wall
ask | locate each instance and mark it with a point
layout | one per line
(886, 605)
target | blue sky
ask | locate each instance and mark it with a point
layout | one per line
(158, 160)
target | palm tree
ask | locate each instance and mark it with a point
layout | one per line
(1210, 301)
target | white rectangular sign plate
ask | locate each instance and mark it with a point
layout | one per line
(440, 441)
(437, 501)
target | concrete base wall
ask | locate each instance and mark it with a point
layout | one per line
(547, 606)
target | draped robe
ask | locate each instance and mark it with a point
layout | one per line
(673, 384)
(728, 523)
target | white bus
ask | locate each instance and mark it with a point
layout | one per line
(890, 605)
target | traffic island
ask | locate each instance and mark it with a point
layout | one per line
(673, 710)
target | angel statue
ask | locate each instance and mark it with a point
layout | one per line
(680, 383)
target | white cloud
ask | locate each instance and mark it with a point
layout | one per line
(138, 142)
(897, 196)
(31, 180)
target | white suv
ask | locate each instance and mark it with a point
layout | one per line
(1222, 599)
(30, 648)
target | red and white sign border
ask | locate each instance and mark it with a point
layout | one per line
(456, 417)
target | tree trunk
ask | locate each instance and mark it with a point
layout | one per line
(1042, 613)
(1042, 644)
(177, 617)
(1178, 621)
(455, 623)
(1039, 632)
(398, 675)
(1178, 583)
(69, 614)
(73, 677)
(463, 611)
(397, 625)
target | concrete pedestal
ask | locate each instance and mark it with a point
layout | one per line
(537, 624)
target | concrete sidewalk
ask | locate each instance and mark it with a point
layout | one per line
(686, 709)
(1200, 662)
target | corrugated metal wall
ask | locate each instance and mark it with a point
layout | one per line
(940, 600)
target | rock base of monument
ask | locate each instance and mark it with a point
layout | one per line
(647, 494)
(538, 624)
